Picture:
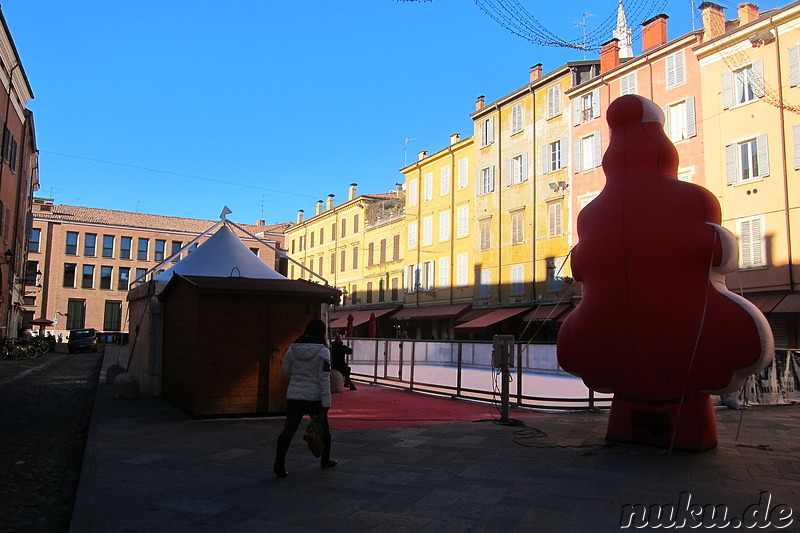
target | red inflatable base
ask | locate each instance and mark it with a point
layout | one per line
(690, 425)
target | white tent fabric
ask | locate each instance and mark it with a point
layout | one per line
(223, 255)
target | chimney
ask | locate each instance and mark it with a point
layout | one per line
(479, 102)
(535, 72)
(422, 154)
(261, 223)
(713, 20)
(319, 207)
(300, 217)
(351, 193)
(398, 190)
(329, 207)
(654, 32)
(454, 138)
(747, 13)
(609, 55)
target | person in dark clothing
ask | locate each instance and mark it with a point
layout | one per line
(308, 365)
(339, 353)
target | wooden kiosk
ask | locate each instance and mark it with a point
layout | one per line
(224, 339)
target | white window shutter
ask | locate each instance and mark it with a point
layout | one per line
(691, 121)
(670, 67)
(509, 171)
(796, 144)
(745, 244)
(756, 242)
(576, 155)
(431, 271)
(545, 158)
(564, 153)
(478, 183)
(758, 78)
(762, 152)
(491, 178)
(490, 132)
(665, 110)
(727, 90)
(576, 111)
(680, 69)
(596, 103)
(524, 170)
(794, 66)
(730, 164)
(598, 149)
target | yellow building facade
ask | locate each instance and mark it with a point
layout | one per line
(439, 251)
(750, 79)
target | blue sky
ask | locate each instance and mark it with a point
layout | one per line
(179, 107)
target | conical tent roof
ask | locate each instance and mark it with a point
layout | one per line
(223, 255)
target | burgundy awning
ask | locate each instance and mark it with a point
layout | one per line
(493, 316)
(433, 311)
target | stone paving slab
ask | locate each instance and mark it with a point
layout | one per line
(150, 467)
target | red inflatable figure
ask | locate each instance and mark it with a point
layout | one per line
(656, 325)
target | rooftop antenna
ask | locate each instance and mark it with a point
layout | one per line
(583, 23)
(405, 150)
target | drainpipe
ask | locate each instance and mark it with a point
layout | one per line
(535, 175)
(782, 121)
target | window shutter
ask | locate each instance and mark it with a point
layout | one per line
(462, 173)
(680, 70)
(509, 171)
(545, 159)
(431, 270)
(794, 66)
(756, 244)
(490, 131)
(524, 170)
(730, 164)
(665, 110)
(576, 155)
(796, 141)
(758, 78)
(670, 71)
(562, 163)
(727, 90)
(595, 103)
(691, 121)
(576, 111)
(598, 150)
(478, 184)
(762, 152)
(491, 178)
(745, 244)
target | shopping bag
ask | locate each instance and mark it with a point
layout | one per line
(313, 436)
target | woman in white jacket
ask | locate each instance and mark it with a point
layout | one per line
(308, 365)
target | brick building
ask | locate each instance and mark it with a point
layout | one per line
(19, 178)
(82, 261)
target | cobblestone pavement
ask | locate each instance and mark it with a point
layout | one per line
(45, 408)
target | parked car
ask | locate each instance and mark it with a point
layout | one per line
(82, 340)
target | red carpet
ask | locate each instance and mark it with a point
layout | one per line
(374, 407)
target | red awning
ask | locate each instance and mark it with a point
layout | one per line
(789, 304)
(547, 312)
(433, 311)
(493, 316)
(765, 302)
(361, 316)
